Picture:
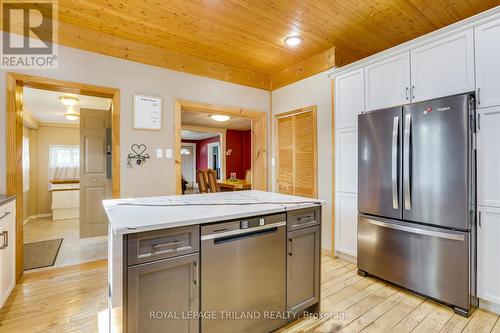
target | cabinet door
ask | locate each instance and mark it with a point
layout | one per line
(487, 64)
(303, 269)
(349, 101)
(488, 248)
(387, 82)
(444, 67)
(160, 293)
(347, 160)
(7, 254)
(347, 223)
(488, 157)
(62, 199)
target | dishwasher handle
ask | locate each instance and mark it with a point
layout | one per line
(243, 232)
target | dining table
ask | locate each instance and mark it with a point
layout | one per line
(234, 185)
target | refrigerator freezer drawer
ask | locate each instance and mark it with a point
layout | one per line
(430, 261)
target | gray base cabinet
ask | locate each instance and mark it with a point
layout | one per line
(162, 294)
(303, 267)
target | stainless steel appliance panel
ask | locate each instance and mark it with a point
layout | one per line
(379, 162)
(243, 272)
(428, 260)
(436, 154)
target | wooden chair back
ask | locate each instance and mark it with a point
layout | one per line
(212, 181)
(201, 180)
(248, 175)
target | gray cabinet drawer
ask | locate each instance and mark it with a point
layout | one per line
(303, 218)
(160, 244)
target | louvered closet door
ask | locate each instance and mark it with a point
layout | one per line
(285, 155)
(297, 153)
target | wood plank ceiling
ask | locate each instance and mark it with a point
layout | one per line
(242, 40)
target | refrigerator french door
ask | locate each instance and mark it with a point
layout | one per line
(416, 198)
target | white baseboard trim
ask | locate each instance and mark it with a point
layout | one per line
(32, 217)
(347, 257)
(490, 306)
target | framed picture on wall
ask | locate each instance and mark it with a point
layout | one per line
(147, 113)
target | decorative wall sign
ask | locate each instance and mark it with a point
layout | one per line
(147, 112)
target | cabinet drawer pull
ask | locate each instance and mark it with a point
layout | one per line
(4, 215)
(303, 218)
(290, 242)
(195, 278)
(5, 235)
(159, 246)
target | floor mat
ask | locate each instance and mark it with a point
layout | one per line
(41, 254)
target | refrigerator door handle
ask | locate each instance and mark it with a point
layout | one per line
(406, 163)
(394, 166)
(419, 231)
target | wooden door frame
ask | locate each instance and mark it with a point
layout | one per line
(259, 137)
(313, 110)
(15, 83)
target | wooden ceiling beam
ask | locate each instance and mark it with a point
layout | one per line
(90, 40)
(314, 65)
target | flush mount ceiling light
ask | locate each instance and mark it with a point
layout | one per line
(68, 100)
(71, 114)
(293, 40)
(219, 117)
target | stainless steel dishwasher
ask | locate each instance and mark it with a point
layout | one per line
(243, 274)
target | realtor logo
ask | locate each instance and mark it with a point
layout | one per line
(29, 37)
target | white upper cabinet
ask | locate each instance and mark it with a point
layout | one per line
(488, 157)
(349, 98)
(387, 82)
(488, 64)
(444, 67)
(488, 248)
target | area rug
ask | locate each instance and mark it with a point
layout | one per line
(41, 254)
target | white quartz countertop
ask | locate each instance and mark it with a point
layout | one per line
(153, 213)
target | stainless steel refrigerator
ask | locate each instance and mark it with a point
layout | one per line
(417, 198)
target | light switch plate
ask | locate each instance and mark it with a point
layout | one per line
(168, 153)
(159, 153)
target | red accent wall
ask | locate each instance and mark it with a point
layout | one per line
(201, 151)
(241, 149)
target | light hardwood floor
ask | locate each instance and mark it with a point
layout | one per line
(73, 299)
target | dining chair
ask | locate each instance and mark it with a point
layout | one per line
(248, 175)
(201, 180)
(212, 181)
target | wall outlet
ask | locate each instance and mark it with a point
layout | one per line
(168, 153)
(159, 153)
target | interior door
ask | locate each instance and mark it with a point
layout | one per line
(297, 153)
(436, 154)
(93, 181)
(187, 164)
(379, 162)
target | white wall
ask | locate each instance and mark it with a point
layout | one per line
(315, 90)
(156, 176)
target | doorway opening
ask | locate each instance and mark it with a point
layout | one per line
(62, 160)
(198, 117)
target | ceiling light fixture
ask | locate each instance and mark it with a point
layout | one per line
(293, 40)
(219, 117)
(71, 114)
(68, 100)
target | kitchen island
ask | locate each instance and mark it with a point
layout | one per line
(246, 261)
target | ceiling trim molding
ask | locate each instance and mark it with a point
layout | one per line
(94, 41)
(314, 65)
